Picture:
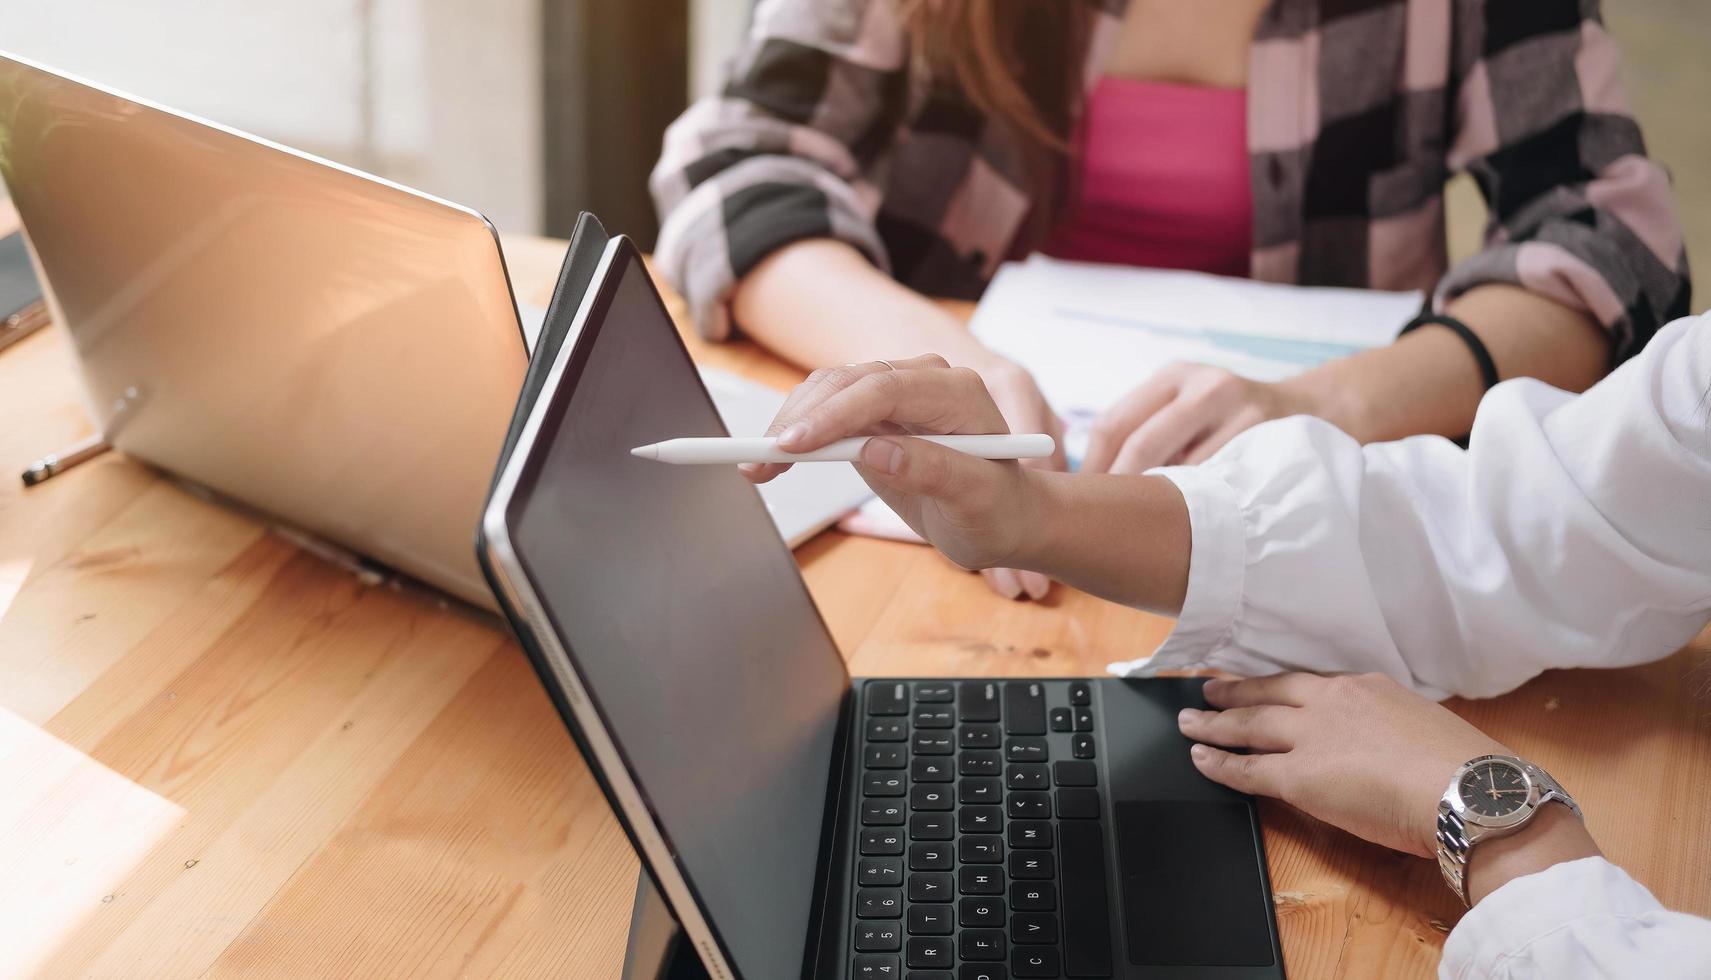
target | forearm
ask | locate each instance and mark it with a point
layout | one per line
(1553, 836)
(819, 302)
(1123, 538)
(1428, 381)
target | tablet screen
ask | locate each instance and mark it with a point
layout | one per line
(688, 622)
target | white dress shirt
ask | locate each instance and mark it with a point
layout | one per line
(1575, 532)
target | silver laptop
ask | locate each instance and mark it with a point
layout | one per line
(333, 349)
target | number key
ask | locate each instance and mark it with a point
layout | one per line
(882, 784)
(881, 843)
(878, 936)
(875, 966)
(879, 903)
(879, 872)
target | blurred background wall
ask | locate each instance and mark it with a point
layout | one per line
(531, 110)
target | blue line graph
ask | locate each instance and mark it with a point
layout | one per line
(1307, 353)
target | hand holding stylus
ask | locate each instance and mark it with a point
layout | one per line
(976, 511)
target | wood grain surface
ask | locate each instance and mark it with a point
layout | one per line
(223, 756)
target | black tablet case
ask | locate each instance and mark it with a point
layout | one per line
(587, 246)
(18, 287)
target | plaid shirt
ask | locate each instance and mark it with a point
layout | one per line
(1358, 112)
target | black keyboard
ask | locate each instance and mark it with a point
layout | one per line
(981, 846)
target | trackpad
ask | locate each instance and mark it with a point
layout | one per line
(1192, 890)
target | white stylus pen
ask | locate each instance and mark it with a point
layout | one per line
(764, 449)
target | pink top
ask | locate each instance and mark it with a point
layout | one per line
(1164, 179)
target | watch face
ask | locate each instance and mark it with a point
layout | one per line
(1493, 789)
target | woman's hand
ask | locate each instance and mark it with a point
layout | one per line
(1184, 414)
(974, 510)
(1360, 752)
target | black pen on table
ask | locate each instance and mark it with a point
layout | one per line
(49, 467)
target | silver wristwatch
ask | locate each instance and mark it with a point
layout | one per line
(1491, 796)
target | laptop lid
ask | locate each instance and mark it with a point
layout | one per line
(670, 623)
(335, 350)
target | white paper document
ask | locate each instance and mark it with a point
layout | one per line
(1091, 333)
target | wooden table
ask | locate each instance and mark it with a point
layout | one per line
(221, 755)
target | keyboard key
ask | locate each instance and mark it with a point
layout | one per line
(931, 769)
(879, 872)
(881, 813)
(879, 903)
(928, 952)
(1025, 749)
(979, 789)
(1062, 720)
(935, 692)
(1024, 708)
(1068, 772)
(1080, 694)
(887, 698)
(930, 796)
(1034, 896)
(1033, 929)
(930, 826)
(982, 945)
(1032, 865)
(980, 911)
(1078, 804)
(887, 730)
(885, 757)
(1084, 719)
(930, 856)
(980, 762)
(982, 971)
(980, 879)
(979, 737)
(980, 819)
(1029, 834)
(929, 920)
(1027, 775)
(935, 717)
(980, 849)
(934, 743)
(1086, 909)
(1028, 806)
(1034, 961)
(881, 843)
(977, 701)
(1081, 746)
(931, 886)
(883, 784)
(876, 966)
(929, 975)
(878, 937)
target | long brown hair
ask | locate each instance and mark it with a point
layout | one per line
(1022, 62)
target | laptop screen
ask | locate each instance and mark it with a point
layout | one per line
(688, 622)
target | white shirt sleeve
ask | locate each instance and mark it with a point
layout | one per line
(1575, 532)
(1582, 918)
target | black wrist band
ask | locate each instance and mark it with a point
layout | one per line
(1487, 367)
